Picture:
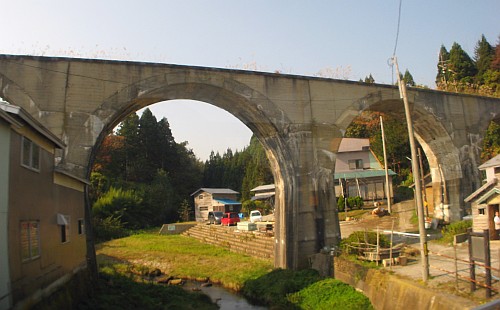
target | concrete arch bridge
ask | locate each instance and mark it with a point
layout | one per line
(299, 120)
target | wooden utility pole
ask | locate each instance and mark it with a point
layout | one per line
(426, 205)
(387, 189)
(416, 177)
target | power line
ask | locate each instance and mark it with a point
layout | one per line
(391, 62)
(397, 31)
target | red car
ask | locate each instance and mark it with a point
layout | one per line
(230, 218)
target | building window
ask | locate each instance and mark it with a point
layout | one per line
(30, 240)
(200, 197)
(497, 170)
(64, 233)
(481, 211)
(205, 208)
(63, 221)
(355, 164)
(30, 154)
(81, 226)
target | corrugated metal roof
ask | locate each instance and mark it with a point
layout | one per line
(215, 191)
(262, 197)
(494, 162)
(480, 190)
(353, 144)
(263, 187)
(228, 201)
(360, 174)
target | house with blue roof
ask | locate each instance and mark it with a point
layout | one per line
(358, 172)
(214, 199)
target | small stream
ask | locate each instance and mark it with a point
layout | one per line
(224, 298)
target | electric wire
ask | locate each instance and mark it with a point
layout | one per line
(391, 60)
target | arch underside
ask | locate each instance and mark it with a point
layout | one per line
(444, 158)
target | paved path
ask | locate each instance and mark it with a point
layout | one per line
(442, 265)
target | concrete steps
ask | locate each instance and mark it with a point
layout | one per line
(251, 243)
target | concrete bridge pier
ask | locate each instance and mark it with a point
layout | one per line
(306, 209)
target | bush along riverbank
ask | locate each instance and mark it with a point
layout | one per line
(141, 272)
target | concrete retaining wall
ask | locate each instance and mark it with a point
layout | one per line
(387, 292)
(246, 242)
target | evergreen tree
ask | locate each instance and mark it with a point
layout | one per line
(129, 130)
(483, 56)
(258, 172)
(495, 62)
(150, 156)
(461, 66)
(369, 79)
(491, 77)
(408, 78)
(160, 199)
(167, 145)
(443, 75)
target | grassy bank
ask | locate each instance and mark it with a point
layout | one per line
(124, 262)
(181, 256)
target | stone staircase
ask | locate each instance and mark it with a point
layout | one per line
(251, 243)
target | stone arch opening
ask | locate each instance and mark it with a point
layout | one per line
(442, 155)
(243, 103)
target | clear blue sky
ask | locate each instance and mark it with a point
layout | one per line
(352, 38)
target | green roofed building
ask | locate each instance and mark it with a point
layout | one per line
(359, 173)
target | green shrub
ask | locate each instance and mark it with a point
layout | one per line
(272, 288)
(330, 294)
(341, 204)
(351, 202)
(358, 237)
(355, 202)
(453, 229)
(108, 228)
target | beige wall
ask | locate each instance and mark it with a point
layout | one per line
(34, 196)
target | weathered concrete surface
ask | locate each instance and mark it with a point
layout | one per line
(387, 292)
(299, 120)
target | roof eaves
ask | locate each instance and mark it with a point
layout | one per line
(480, 190)
(21, 113)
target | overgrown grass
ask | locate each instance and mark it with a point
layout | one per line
(182, 256)
(304, 289)
(330, 294)
(272, 288)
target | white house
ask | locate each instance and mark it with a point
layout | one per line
(486, 199)
(359, 173)
(214, 199)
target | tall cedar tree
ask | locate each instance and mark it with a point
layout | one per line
(408, 78)
(443, 75)
(461, 66)
(483, 56)
(144, 157)
(129, 130)
(149, 138)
